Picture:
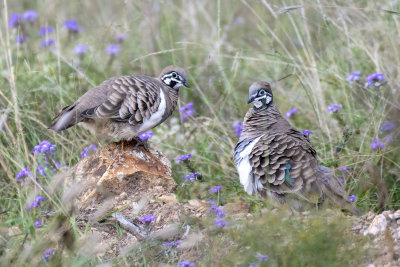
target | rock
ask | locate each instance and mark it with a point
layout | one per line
(195, 203)
(396, 215)
(117, 168)
(123, 196)
(384, 237)
(170, 198)
(378, 224)
(129, 184)
(387, 214)
(370, 215)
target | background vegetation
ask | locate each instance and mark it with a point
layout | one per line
(224, 47)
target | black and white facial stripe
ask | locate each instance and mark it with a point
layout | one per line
(263, 94)
(260, 98)
(174, 80)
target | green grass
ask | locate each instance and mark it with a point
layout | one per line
(224, 47)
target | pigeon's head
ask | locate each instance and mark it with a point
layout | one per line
(260, 94)
(174, 77)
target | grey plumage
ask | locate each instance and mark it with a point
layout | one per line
(124, 107)
(273, 156)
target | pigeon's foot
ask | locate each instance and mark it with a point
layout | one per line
(140, 142)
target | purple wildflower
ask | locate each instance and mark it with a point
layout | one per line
(40, 170)
(36, 202)
(377, 144)
(20, 39)
(47, 254)
(188, 113)
(187, 106)
(262, 257)
(173, 243)
(238, 128)
(169, 244)
(220, 213)
(14, 20)
(190, 177)
(47, 42)
(333, 108)
(120, 37)
(352, 198)
(45, 147)
(306, 132)
(45, 31)
(386, 126)
(187, 110)
(220, 222)
(344, 169)
(186, 264)
(254, 264)
(183, 158)
(23, 173)
(85, 152)
(112, 49)
(291, 112)
(353, 76)
(72, 25)
(146, 135)
(375, 79)
(211, 201)
(80, 49)
(29, 15)
(148, 218)
(215, 189)
(38, 223)
(341, 180)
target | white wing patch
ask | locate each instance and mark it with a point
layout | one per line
(156, 117)
(245, 171)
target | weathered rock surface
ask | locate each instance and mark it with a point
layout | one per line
(384, 231)
(129, 184)
(379, 224)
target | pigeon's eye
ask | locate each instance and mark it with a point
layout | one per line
(262, 92)
(174, 75)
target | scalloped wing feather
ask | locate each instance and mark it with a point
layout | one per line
(133, 99)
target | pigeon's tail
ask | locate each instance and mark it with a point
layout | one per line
(334, 191)
(64, 120)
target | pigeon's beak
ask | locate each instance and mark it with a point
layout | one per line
(251, 99)
(185, 83)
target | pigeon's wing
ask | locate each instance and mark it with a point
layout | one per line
(286, 161)
(132, 98)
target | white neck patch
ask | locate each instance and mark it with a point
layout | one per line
(257, 103)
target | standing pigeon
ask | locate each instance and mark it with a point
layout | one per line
(123, 107)
(272, 154)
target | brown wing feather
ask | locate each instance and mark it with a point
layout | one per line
(258, 159)
(271, 154)
(133, 98)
